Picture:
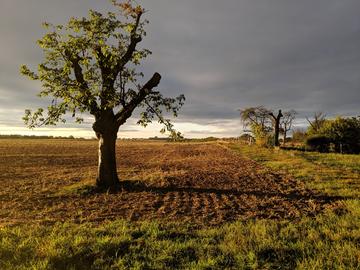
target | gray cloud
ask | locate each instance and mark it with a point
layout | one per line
(223, 55)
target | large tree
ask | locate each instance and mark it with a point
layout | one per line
(90, 67)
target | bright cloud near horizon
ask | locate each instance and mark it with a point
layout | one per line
(223, 55)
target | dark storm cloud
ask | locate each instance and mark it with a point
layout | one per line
(223, 55)
(291, 54)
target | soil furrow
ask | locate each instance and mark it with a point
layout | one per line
(200, 183)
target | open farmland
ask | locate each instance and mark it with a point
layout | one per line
(199, 183)
(215, 205)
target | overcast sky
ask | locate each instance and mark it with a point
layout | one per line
(223, 55)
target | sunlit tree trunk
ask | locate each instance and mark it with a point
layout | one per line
(107, 177)
(106, 130)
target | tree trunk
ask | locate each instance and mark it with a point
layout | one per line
(277, 132)
(107, 173)
(284, 138)
(106, 130)
(277, 127)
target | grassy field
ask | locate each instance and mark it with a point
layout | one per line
(184, 206)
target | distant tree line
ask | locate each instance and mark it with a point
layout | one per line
(17, 136)
(339, 135)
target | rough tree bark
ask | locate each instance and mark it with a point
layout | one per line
(276, 127)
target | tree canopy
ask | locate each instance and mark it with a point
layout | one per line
(90, 66)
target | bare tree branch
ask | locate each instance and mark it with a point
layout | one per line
(126, 111)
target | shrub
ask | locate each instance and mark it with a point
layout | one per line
(320, 143)
(344, 133)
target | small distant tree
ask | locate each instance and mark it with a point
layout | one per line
(256, 115)
(317, 123)
(176, 136)
(90, 67)
(264, 124)
(287, 122)
(258, 120)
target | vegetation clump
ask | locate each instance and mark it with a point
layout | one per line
(339, 135)
(320, 143)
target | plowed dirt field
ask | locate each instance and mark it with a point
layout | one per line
(200, 183)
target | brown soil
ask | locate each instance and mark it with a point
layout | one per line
(198, 183)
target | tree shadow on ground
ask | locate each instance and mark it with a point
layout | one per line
(138, 186)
